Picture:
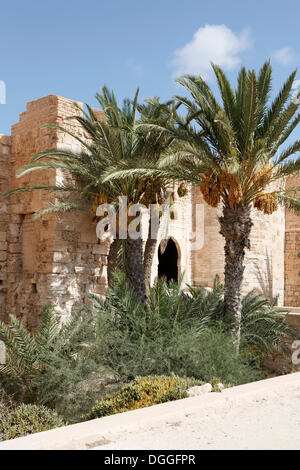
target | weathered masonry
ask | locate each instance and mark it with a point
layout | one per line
(59, 260)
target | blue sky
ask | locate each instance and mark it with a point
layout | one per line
(72, 48)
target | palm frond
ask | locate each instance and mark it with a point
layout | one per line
(48, 328)
(290, 201)
(277, 106)
(263, 88)
(61, 206)
(226, 93)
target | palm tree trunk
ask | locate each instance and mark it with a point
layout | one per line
(235, 227)
(149, 253)
(135, 267)
(112, 260)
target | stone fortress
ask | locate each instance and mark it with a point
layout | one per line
(59, 259)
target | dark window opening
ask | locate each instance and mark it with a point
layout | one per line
(168, 262)
(33, 288)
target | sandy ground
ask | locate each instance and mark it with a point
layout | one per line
(265, 421)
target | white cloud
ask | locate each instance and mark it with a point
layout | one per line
(132, 64)
(296, 94)
(284, 56)
(211, 43)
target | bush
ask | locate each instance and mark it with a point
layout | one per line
(6, 404)
(28, 355)
(118, 339)
(264, 326)
(177, 334)
(28, 419)
(50, 367)
(138, 341)
(143, 392)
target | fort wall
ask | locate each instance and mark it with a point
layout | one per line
(5, 143)
(59, 260)
(292, 252)
(264, 261)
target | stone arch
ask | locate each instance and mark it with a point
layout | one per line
(169, 262)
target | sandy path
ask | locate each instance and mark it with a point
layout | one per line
(265, 421)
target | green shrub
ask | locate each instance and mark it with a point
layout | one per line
(50, 367)
(145, 342)
(28, 355)
(264, 326)
(177, 334)
(28, 419)
(6, 404)
(117, 338)
(143, 392)
(72, 385)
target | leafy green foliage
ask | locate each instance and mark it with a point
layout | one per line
(25, 353)
(6, 404)
(181, 333)
(263, 324)
(28, 419)
(49, 367)
(143, 392)
(238, 136)
(113, 340)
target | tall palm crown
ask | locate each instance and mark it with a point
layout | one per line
(112, 143)
(233, 152)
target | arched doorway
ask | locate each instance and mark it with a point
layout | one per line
(168, 262)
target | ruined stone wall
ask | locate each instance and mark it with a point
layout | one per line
(84, 259)
(264, 262)
(4, 186)
(57, 259)
(292, 250)
(27, 291)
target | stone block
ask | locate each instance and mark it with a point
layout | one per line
(199, 390)
(100, 249)
(61, 257)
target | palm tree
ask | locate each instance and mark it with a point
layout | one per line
(112, 143)
(152, 191)
(233, 152)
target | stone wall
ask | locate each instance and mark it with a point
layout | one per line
(4, 186)
(292, 250)
(57, 259)
(264, 261)
(208, 257)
